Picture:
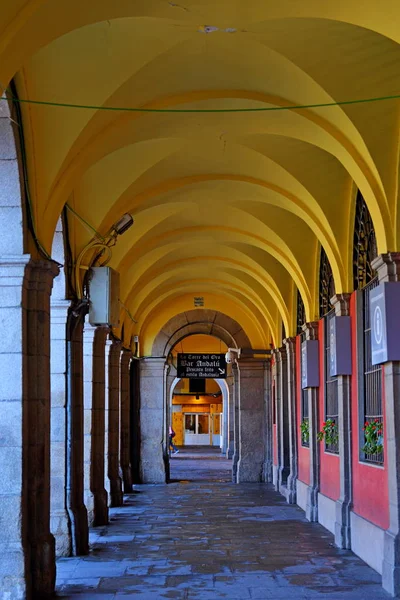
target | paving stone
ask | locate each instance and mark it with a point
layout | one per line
(208, 539)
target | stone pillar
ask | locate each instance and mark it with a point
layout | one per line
(268, 422)
(388, 267)
(152, 420)
(230, 414)
(283, 420)
(290, 344)
(39, 281)
(116, 496)
(27, 548)
(107, 351)
(125, 423)
(94, 402)
(236, 436)
(251, 421)
(341, 304)
(94, 406)
(311, 331)
(59, 519)
(75, 488)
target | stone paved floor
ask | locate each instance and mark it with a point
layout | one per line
(203, 538)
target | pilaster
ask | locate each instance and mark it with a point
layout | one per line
(125, 428)
(116, 496)
(236, 435)
(268, 408)
(341, 304)
(250, 466)
(59, 518)
(388, 267)
(230, 420)
(283, 421)
(75, 480)
(291, 486)
(153, 425)
(311, 331)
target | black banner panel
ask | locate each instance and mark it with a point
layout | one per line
(195, 366)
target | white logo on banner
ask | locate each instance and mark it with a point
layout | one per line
(378, 327)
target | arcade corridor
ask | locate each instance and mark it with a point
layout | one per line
(206, 539)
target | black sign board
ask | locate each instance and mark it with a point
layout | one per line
(194, 366)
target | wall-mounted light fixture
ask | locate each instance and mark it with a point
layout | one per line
(104, 245)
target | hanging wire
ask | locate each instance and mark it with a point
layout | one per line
(199, 110)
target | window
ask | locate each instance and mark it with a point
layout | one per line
(331, 386)
(304, 407)
(365, 280)
(370, 392)
(326, 284)
(301, 313)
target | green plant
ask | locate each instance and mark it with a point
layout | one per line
(305, 431)
(329, 432)
(373, 433)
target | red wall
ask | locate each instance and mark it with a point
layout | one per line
(370, 483)
(329, 463)
(303, 453)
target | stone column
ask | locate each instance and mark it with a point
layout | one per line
(275, 378)
(152, 420)
(251, 421)
(75, 488)
(388, 267)
(39, 281)
(94, 403)
(59, 519)
(341, 304)
(230, 413)
(236, 436)
(283, 420)
(97, 458)
(125, 423)
(107, 351)
(290, 344)
(116, 497)
(311, 331)
(268, 422)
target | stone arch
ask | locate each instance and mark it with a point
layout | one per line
(204, 321)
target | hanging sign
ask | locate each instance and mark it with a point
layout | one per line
(309, 364)
(208, 366)
(384, 317)
(339, 346)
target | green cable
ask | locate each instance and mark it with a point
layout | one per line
(85, 222)
(203, 110)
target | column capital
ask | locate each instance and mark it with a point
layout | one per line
(388, 266)
(39, 275)
(341, 304)
(290, 344)
(311, 330)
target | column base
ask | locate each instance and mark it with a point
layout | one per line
(89, 504)
(100, 508)
(291, 489)
(79, 529)
(116, 497)
(249, 472)
(268, 475)
(342, 525)
(230, 451)
(235, 467)
(59, 527)
(43, 567)
(391, 564)
(312, 505)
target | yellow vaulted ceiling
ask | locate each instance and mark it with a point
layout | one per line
(232, 207)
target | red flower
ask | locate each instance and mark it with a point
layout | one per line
(366, 423)
(323, 424)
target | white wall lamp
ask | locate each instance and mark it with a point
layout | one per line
(104, 245)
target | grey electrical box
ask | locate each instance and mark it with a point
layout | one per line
(104, 296)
